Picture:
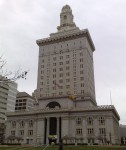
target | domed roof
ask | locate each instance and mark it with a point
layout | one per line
(66, 8)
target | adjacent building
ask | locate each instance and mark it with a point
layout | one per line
(8, 92)
(66, 94)
(24, 102)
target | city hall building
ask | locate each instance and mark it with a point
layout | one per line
(66, 107)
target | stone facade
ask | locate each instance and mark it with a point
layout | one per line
(66, 104)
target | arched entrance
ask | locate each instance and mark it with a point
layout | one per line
(53, 125)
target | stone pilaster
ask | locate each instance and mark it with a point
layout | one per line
(40, 131)
(65, 126)
(96, 129)
(25, 131)
(84, 125)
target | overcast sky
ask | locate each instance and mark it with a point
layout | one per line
(22, 22)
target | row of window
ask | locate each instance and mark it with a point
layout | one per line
(90, 131)
(22, 124)
(61, 74)
(21, 132)
(60, 93)
(20, 100)
(61, 63)
(90, 121)
(60, 52)
(67, 44)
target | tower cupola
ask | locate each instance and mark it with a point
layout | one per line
(66, 19)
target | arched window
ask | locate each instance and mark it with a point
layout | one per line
(101, 120)
(90, 121)
(53, 105)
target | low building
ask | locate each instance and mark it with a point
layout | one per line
(123, 134)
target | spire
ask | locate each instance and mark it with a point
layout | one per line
(66, 19)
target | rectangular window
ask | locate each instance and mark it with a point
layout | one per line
(82, 84)
(61, 81)
(61, 63)
(42, 72)
(61, 75)
(67, 80)
(78, 121)
(67, 68)
(90, 131)
(61, 57)
(81, 59)
(60, 93)
(81, 78)
(81, 65)
(30, 132)
(54, 64)
(54, 87)
(54, 70)
(67, 86)
(67, 62)
(67, 56)
(102, 131)
(81, 72)
(21, 132)
(13, 132)
(67, 74)
(82, 91)
(54, 58)
(42, 66)
(61, 69)
(78, 131)
(42, 77)
(81, 53)
(54, 75)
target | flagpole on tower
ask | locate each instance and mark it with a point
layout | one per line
(110, 97)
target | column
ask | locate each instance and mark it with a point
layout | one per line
(57, 130)
(26, 132)
(47, 130)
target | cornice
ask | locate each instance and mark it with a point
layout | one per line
(68, 36)
(46, 111)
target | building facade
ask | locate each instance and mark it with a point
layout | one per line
(11, 99)
(24, 102)
(67, 106)
(8, 92)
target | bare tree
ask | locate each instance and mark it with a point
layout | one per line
(9, 76)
